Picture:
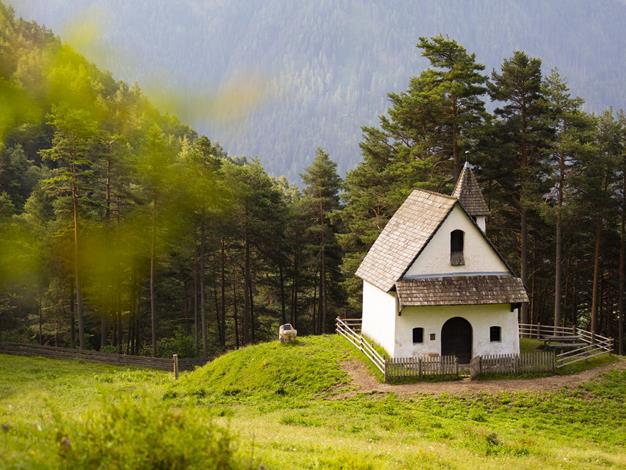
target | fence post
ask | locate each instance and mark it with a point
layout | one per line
(385, 371)
(419, 367)
(175, 365)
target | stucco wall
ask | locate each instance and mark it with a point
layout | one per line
(481, 317)
(478, 254)
(379, 316)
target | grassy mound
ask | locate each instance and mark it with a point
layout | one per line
(305, 369)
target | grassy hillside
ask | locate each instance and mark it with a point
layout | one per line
(292, 406)
(307, 369)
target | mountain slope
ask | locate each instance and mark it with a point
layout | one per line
(328, 65)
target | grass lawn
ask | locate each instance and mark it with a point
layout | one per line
(291, 406)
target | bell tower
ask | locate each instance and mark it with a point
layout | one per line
(471, 197)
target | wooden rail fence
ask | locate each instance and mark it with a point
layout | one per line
(399, 367)
(54, 352)
(590, 344)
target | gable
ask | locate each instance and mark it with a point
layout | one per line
(404, 236)
(478, 254)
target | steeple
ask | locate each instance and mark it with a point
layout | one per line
(470, 196)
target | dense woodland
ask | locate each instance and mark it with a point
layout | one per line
(123, 229)
(326, 66)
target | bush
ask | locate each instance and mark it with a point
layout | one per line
(180, 344)
(143, 434)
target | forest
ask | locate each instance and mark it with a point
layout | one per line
(123, 229)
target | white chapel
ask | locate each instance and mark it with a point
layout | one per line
(433, 284)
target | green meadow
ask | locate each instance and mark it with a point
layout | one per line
(292, 406)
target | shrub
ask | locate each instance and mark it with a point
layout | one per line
(142, 434)
(180, 344)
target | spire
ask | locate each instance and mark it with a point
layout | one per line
(468, 193)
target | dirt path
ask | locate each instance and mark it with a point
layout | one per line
(365, 382)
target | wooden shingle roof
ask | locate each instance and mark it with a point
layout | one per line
(404, 236)
(461, 290)
(469, 194)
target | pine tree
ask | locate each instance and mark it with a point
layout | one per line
(523, 126)
(573, 137)
(321, 202)
(595, 182)
(76, 136)
(454, 84)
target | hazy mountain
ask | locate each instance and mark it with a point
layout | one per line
(327, 64)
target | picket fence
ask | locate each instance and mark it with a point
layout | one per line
(513, 364)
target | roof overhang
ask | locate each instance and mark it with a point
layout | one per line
(461, 290)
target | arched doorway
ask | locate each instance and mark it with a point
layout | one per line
(456, 339)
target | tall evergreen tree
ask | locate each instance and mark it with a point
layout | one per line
(74, 142)
(321, 202)
(573, 137)
(524, 131)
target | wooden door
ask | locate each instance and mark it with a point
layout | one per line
(456, 339)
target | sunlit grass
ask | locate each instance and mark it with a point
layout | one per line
(287, 407)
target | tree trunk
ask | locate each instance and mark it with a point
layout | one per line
(40, 312)
(107, 218)
(596, 280)
(72, 317)
(218, 327)
(283, 313)
(152, 278)
(77, 279)
(622, 267)
(523, 211)
(203, 320)
(322, 296)
(455, 151)
(294, 292)
(196, 326)
(103, 330)
(249, 301)
(235, 316)
(524, 258)
(558, 269)
(222, 319)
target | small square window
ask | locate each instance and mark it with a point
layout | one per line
(432, 336)
(495, 333)
(418, 335)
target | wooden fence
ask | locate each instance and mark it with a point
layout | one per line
(513, 364)
(161, 363)
(351, 330)
(592, 344)
(421, 367)
(399, 367)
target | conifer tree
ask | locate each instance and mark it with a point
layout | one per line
(573, 137)
(76, 135)
(524, 131)
(321, 202)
